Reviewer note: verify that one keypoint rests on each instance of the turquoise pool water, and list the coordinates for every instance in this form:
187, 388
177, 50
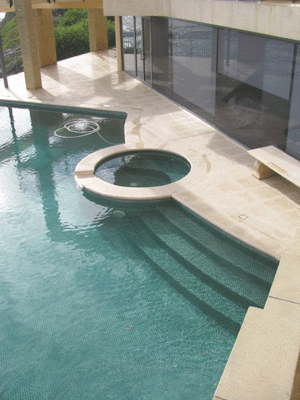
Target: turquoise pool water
143, 168
101, 304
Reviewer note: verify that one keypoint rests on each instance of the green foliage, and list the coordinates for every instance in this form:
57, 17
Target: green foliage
9, 34
13, 64
73, 17
71, 36
10, 44
72, 40
8, 16
111, 33
57, 14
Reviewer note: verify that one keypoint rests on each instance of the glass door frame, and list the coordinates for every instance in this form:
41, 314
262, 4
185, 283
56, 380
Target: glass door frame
142, 74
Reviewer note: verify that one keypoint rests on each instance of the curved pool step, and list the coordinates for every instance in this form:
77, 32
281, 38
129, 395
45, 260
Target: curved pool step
201, 295
233, 282
207, 237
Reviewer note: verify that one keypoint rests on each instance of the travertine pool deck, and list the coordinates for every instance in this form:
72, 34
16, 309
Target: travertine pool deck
265, 214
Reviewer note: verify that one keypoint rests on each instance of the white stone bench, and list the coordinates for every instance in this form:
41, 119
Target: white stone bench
270, 160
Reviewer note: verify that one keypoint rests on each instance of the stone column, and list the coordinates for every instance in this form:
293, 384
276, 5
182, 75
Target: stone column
45, 37
118, 43
28, 42
97, 29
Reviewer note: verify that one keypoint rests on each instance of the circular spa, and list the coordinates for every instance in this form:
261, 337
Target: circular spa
147, 168
126, 173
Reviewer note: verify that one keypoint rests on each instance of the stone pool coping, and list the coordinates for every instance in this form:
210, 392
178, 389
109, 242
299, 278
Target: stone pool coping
87, 180
264, 363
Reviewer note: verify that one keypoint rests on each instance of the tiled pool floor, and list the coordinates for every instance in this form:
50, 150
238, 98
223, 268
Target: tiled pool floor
264, 214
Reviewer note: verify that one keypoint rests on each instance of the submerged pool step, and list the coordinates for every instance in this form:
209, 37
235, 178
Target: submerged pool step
229, 280
209, 237
200, 294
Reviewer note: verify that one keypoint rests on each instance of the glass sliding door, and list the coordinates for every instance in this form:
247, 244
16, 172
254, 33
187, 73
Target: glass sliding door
193, 63
136, 36
129, 45
184, 62
139, 47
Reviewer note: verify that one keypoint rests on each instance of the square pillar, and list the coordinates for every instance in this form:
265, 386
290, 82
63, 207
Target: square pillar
45, 36
28, 43
97, 29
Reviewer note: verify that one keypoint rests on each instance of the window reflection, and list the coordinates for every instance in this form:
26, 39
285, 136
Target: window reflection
128, 37
239, 82
253, 88
139, 47
193, 63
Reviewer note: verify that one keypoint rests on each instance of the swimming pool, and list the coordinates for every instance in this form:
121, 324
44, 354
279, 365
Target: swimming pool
103, 300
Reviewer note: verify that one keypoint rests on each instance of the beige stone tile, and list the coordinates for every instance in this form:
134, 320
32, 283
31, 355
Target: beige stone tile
249, 182
228, 186
281, 184
265, 192
246, 159
291, 219
282, 236
287, 279
284, 309
263, 360
295, 247
242, 198
233, 151
281, 204
260, 211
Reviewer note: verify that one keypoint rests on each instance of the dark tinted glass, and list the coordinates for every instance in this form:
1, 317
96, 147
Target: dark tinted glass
162, 71
293, 135
193, 63
147, 49
253, 85
239, 82
184, 62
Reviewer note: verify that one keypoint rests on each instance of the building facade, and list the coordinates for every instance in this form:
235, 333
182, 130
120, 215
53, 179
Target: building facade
242, 76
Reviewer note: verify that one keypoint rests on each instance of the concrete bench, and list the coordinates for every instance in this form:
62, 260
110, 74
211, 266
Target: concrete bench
270, 160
